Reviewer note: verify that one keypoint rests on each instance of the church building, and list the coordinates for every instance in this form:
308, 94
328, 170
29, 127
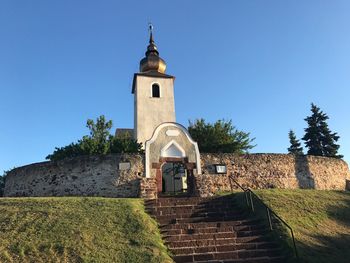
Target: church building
171, 155
171, 163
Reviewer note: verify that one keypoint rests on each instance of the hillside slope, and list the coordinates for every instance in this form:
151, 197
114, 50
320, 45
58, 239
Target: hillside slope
320, 219
78, 229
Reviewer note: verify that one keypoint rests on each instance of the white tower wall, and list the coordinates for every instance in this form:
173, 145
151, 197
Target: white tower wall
150, 112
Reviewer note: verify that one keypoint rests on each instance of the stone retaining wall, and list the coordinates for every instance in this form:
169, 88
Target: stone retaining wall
109, 176
122, 175
272, 171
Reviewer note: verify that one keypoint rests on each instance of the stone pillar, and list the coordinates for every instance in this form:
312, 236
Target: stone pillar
347, 185
148, 188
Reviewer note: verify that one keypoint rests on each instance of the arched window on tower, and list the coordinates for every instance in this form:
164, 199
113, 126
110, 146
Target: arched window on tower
155, 91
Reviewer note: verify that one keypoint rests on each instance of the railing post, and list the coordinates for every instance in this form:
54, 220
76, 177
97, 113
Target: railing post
251, 200
230, 180
295, 247
269, 217
246, 197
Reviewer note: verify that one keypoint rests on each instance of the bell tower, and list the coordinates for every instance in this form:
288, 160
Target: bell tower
153, 94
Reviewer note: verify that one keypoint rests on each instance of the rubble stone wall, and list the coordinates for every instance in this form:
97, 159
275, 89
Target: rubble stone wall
261, 171
122, 175
110, 176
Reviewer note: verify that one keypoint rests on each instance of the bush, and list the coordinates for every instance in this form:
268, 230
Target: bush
220, 137
99, 141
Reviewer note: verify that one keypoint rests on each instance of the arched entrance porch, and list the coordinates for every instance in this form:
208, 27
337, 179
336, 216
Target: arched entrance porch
172, 158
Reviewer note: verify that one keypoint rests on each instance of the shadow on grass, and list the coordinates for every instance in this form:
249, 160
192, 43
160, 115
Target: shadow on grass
329, 249
341, 212
331, 244
334, 247
279, 233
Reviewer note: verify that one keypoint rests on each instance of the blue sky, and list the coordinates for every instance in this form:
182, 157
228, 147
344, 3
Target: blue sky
259, 63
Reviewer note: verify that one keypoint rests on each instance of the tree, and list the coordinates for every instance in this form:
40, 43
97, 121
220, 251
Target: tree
221, 136
318, 138
69, 151
98, 142
124, 143
295, 145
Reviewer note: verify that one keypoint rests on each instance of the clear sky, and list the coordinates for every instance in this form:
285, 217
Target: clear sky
259, 63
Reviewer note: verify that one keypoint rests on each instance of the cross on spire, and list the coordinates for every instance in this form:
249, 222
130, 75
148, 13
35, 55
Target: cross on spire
150, 29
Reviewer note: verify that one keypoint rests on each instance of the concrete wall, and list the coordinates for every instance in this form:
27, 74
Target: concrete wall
104, 176
83, 176
272, 171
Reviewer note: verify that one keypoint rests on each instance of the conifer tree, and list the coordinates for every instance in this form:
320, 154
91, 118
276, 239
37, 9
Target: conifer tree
295, 146
318, 138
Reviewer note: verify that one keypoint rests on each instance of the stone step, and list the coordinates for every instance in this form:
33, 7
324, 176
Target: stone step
189, 201
173, 220
212, 230
190, 209
216, 242
215, 236
222, 248
231, 255
161, 202
189, 206
199, 236
215, 229
274, 259
185, 226
200, 214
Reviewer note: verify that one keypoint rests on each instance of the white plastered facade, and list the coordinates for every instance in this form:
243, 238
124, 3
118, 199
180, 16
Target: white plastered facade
168, 135
150, 112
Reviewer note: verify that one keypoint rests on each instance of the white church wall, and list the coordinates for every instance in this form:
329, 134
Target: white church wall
149, 111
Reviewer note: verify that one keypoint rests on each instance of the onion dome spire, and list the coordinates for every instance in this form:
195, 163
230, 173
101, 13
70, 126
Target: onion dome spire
152, 61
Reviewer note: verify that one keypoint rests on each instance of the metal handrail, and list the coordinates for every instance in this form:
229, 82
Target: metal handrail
269, 211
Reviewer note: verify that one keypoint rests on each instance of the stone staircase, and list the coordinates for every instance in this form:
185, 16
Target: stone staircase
212, 230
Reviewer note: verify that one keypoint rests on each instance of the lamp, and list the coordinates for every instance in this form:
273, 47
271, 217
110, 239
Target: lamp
220, 168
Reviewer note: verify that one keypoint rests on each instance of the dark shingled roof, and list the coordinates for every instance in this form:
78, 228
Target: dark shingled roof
123, 131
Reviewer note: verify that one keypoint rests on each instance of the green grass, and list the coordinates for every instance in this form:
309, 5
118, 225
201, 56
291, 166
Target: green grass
320, 220
78, 229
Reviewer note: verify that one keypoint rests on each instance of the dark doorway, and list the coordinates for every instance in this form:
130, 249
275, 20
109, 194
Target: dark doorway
174, 179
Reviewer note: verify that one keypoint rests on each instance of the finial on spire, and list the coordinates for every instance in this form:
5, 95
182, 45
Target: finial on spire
150, 29
152, 61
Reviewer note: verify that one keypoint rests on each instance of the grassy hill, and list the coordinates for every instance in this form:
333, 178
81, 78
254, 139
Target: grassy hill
78, 229
320, 219
89, 229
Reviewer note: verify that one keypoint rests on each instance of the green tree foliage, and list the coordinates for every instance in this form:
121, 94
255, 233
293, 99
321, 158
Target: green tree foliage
220, 136
295, 145
69, 151
99, 141
124, 143
318, 138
